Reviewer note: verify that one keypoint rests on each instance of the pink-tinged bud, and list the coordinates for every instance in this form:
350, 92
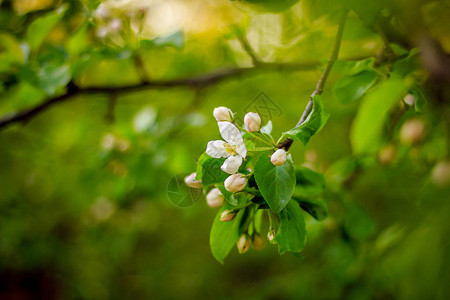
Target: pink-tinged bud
243, 244
271, 235
252, 122
278, 158
235, 183
215, 198
387, 154
412, 132
410, 99
440, 176
223, 114
192, 182
227, 215
258, 242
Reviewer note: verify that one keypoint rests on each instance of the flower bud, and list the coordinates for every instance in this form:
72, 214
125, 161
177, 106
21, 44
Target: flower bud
252, 122
271, 235
387, 154
243, 244
412, 132
223, 114
102, 12
440, 175
227, 215
258, 242
115, 25
409, 99
102, 32
278, 158
235, 183
215, 198
192, 182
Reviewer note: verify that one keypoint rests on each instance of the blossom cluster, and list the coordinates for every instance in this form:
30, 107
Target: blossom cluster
234, 149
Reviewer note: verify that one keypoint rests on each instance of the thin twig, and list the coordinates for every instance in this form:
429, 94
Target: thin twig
286, 144
245, 44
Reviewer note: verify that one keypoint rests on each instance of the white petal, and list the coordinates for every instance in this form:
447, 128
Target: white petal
230, 133
242, 150
216, 149
231, 164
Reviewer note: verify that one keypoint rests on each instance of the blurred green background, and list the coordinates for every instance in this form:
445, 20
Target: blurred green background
85, 211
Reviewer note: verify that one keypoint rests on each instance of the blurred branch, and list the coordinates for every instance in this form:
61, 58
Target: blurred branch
197, 82
245, 44
140, 67
109, 116
286, 144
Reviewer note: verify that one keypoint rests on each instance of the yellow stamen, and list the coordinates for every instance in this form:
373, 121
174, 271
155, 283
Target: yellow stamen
231, 149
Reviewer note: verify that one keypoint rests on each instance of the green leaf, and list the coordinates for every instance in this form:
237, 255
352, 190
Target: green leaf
229, 197
53, 77
10, 52
291, 235
420, 99
224, 235
40, 28
175, 40
367, 128
316, 207
78, 42
209, 171
313, 124
308, 182
358, 224
276, 184
348, 68
267, 129
49, 78
351, 88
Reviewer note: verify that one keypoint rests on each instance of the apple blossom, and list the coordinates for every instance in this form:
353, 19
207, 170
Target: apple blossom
227, 215
243, 244
223, 114
252, 122
233, 148
271, 235
278, 158
412, 131
192, 182
102, 12
440, 175
235, 183
115, 25
215, 198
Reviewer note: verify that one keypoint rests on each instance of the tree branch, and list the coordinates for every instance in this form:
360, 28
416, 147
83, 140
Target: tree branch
197, 82
286, 144
246, 46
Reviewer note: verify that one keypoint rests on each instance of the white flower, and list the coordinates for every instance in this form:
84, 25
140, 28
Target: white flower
192, 182
278, 158
115, 25
215, 198
233, 148
102, 31
102, 12
252, 122
235, 183
222, 114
